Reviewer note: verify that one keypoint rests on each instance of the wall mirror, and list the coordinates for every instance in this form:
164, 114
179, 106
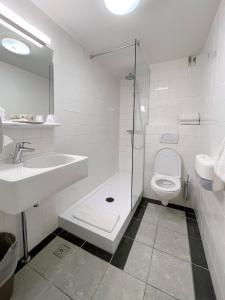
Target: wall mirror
26, 77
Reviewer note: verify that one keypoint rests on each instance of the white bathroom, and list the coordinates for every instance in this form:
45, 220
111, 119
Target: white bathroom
112, 150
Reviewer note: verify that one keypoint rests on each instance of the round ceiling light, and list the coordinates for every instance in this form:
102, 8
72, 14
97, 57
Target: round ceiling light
15, 46
121, 7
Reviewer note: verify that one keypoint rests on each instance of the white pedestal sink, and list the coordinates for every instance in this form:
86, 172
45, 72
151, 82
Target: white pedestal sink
24, 185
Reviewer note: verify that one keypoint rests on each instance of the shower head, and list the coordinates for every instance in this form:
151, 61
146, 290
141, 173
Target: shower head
130, 76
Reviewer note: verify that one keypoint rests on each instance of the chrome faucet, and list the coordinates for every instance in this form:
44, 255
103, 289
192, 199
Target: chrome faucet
17, 158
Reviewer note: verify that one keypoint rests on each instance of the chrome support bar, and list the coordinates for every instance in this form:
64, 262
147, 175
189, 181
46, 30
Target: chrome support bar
136, 42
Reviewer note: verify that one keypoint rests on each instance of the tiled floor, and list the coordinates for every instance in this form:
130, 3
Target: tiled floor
153, 262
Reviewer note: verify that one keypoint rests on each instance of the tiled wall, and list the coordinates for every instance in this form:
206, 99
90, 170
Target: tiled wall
211, 206
174, 89
87, 105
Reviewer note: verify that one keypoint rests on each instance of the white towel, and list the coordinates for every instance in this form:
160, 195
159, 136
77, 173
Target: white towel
101, 218
219, 167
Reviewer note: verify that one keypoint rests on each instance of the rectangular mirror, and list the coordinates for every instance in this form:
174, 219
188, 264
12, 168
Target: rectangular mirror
26, 76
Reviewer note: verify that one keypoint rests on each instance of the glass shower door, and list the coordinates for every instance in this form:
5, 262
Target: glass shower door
140, 120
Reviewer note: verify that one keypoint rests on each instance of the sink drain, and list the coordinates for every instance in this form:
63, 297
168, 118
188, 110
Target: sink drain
109, 199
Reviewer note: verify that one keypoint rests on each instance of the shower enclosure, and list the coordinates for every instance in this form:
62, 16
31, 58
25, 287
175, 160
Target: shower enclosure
140, 120
108, 209
139, 74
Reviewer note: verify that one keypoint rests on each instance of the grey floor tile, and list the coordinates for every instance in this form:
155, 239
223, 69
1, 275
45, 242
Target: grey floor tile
152, 212
138, 261
53, 294
146, 234
29, 285
80, 275
173, 243
172, 275
47, 263
172, 211
154, 294
118, 285
173, 219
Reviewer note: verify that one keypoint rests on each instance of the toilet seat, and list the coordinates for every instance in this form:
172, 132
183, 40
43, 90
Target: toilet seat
165, 183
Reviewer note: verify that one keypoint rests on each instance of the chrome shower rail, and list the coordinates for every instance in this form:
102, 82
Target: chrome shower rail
136, 42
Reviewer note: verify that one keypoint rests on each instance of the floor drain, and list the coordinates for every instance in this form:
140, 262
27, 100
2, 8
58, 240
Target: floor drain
61, 251
110, 199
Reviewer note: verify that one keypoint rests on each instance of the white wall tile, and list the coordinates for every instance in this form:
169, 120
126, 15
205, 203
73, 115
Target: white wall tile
182, 96
211, 206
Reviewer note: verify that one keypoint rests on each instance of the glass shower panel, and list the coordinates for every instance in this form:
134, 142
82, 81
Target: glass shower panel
140, 120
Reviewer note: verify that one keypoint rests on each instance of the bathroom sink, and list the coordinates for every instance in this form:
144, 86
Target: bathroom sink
24, 185
49, 161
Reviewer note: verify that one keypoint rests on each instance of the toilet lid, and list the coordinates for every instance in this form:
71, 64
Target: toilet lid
168, 162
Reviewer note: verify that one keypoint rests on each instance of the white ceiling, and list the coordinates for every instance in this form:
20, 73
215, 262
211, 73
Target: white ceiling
167, 29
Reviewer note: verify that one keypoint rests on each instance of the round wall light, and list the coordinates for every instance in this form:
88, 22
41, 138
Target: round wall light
121, 7
15, 46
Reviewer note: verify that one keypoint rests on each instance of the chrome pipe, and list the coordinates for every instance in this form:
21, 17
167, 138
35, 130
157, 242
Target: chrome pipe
26, 256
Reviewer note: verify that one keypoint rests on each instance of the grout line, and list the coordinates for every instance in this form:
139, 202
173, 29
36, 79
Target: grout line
100, 281
175, 298
186, 234
157, 225
128, 237
131, 275
191, 218
83, 244
57, 234
111, 259
47, 279
63, 292
187, 261
200, 266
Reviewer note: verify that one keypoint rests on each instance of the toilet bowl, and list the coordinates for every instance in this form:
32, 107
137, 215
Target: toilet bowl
166, 180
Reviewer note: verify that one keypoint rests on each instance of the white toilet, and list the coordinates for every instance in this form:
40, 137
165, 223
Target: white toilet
166, 181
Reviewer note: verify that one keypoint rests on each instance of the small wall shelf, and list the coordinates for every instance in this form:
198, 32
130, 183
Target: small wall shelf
9, 124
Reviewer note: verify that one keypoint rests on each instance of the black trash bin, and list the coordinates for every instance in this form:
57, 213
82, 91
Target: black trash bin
8, 262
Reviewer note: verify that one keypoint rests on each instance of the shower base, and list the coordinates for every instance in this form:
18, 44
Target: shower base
113, 195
